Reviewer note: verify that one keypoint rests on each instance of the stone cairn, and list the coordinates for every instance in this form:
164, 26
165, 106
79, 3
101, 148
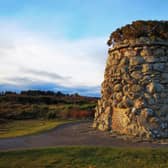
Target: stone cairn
134, 92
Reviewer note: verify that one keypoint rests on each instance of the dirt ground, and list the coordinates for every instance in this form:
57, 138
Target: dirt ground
74, 134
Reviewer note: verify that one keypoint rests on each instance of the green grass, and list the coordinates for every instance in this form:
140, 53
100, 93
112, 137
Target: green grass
85, 157
27, 127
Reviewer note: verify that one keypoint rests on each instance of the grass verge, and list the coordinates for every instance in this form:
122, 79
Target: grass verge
27, 127
85, 157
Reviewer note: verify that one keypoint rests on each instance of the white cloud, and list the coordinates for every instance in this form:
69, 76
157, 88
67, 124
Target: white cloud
76, 62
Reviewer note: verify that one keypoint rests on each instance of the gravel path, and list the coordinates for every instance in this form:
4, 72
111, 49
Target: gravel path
72, 134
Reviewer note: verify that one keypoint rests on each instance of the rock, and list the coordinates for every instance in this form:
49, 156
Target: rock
145, 52
126, 88
135, 111
117, 87
165, 76
164, 125
139, 103
136, 75
136, 60
146, 67
151, 59
154, 122
159, 52
145, 80
130, 53
126, 77
154, 87
124, 61
147, 112
127, 102
159, 67
119, 96
135, 88
164, 110
163, 59
156, 96
101, 127
94, 124
151, 101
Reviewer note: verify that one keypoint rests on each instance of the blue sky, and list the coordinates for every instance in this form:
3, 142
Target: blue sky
61, 44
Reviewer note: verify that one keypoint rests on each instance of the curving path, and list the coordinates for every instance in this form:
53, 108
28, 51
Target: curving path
71, 134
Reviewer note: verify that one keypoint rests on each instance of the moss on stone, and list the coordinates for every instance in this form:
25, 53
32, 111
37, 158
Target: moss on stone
151, 29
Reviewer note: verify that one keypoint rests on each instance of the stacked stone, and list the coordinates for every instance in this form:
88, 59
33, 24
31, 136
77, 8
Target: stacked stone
135, 89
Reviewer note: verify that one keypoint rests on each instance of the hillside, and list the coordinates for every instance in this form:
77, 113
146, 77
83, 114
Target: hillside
45, 104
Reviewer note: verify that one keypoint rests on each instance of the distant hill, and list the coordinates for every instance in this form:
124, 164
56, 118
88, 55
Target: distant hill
45, 104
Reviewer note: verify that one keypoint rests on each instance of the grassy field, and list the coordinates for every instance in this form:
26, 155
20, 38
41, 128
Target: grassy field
16, 111
85, 157
27, 127
45, 105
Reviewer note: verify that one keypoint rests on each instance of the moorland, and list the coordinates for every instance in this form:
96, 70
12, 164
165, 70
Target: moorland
39, 115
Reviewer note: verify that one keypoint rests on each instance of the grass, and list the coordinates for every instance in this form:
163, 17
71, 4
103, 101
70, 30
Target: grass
27, 127
85, 157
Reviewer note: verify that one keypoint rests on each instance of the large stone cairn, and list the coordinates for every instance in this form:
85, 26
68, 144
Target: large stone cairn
134, 92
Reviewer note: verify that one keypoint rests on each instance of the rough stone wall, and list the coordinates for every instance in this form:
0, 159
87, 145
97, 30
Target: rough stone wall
135, 89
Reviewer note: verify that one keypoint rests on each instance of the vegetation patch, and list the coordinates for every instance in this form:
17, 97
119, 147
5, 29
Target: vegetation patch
85, 157
27, 127
152, 29
45, 105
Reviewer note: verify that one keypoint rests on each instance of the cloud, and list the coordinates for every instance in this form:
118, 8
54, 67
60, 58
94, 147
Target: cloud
46, 75
28, 57
40, 85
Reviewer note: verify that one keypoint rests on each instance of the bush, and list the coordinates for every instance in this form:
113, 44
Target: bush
51, 115
11, 110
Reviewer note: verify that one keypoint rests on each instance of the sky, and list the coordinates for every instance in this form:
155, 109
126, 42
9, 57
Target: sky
60, 45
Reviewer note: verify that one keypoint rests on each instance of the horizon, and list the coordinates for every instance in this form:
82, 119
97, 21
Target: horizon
61, 46
43, 92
